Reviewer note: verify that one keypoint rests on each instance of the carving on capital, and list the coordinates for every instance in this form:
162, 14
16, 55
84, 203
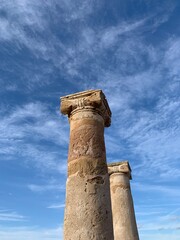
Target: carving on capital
120, 167
91, 99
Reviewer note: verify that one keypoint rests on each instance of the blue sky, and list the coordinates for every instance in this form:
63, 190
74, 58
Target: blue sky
128, 48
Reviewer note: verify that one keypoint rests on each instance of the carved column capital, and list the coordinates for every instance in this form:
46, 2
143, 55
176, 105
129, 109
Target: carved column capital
120, 167
94, 100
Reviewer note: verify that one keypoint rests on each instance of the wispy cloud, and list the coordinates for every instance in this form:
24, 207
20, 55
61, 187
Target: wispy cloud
160, 236
78, 10
158, 221
44, 188
56, 206
146, 108
26, 21
172, 61
25, 127
9, 216
110, 35
157, 189
35, 233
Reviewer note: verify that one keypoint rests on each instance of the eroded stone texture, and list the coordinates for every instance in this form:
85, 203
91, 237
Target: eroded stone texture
88, 206
124, 222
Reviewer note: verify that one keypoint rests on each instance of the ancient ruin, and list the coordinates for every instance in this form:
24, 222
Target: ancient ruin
99, 204
124, 221
88, 214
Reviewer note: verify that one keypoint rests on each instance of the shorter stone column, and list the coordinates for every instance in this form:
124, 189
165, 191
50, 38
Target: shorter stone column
124, 221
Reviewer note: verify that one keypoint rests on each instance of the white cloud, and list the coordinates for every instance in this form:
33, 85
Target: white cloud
155, 137
155, 188
145, 108
8, 216
56, 206
158, 220
78, 10
23, 129
91, 43
29, 233
160, 236
110, 35
36, 17
44, 188
172, 61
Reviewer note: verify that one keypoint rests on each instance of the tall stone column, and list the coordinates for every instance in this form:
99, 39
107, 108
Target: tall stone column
124, 221
88, 213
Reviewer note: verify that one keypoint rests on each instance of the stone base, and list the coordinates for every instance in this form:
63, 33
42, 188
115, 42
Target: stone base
88, 211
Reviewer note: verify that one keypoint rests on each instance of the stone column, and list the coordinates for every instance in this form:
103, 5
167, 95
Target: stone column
124, 221
88, 213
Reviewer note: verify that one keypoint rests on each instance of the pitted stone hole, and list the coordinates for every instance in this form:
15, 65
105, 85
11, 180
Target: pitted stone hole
85, 187
97, 180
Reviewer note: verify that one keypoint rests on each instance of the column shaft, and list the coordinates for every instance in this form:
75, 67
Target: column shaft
124, 222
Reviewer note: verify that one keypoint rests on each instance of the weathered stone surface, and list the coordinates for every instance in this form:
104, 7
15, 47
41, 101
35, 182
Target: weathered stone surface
87, 214
90, 100
87, 139
88, 206
124, 222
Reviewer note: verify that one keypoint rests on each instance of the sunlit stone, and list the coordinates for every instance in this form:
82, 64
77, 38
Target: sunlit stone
124, 222
88, 213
